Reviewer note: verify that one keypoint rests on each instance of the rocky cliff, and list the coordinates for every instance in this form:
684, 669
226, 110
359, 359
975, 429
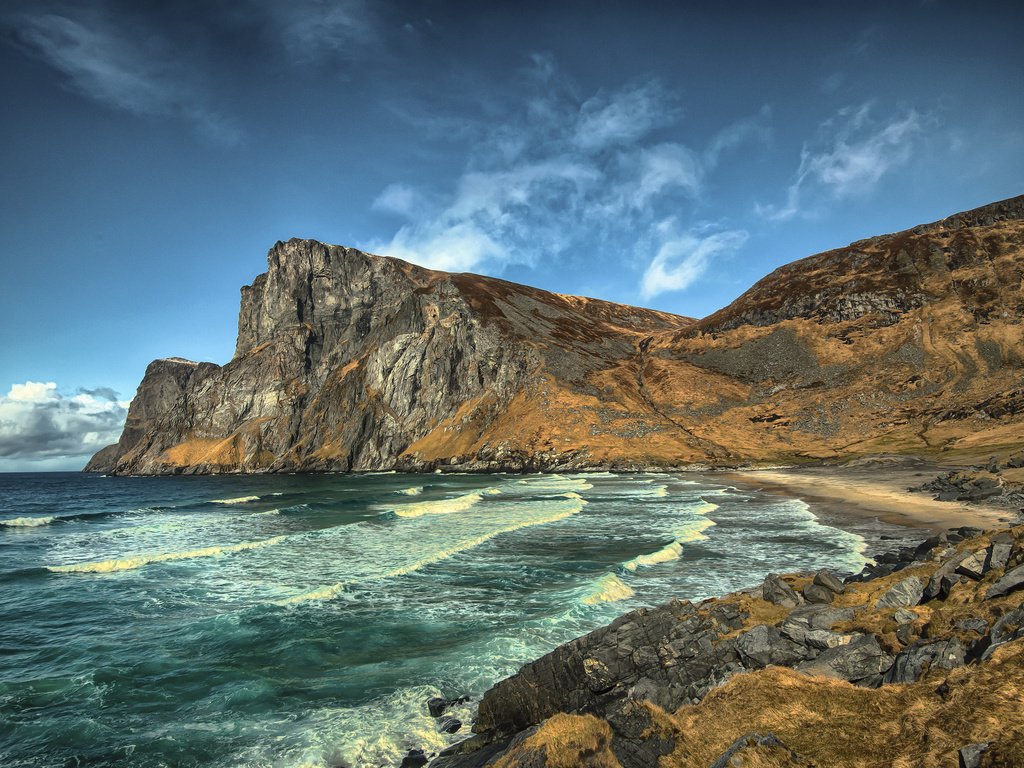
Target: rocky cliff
350, 361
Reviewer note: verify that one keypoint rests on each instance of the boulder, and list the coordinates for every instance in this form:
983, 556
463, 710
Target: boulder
861, 661
904, 616
636, 743
902, 594
998, 553
829, 580
912, 663
973, 566
449, 725
775, 590
1011, 581
1009, 627
815, 593
415, 759
437, 706
763, 646
970, 756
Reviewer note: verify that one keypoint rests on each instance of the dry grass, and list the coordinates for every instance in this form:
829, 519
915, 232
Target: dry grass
567, 741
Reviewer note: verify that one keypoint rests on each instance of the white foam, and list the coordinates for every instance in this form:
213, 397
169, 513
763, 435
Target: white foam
664, 555
416, 490
28, 522
439, 506
567, 509
608, 589
137, 561
239, 500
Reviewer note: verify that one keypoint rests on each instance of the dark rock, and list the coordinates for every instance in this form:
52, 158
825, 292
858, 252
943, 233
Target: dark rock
972, 624
1008, 628
912, 663
437, 706
415, 759
998, 553
860, 660
970, 756
815, 593
820, 616
777, 591
1016, 461
902, 594
449, 725
830, 581
635, 743
750, 741
1011, 581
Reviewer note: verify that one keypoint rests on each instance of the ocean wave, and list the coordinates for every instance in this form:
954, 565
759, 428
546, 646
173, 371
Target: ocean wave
416, 490
608, 589
28, 522
239, 500
439, 506
704, 508
664, 555
138, 561
569, 508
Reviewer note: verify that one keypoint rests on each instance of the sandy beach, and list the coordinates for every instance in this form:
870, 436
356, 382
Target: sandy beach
877, 491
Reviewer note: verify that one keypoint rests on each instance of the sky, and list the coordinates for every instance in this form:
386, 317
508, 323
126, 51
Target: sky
661, 154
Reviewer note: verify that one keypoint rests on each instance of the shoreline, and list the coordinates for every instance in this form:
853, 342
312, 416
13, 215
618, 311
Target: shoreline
874, 492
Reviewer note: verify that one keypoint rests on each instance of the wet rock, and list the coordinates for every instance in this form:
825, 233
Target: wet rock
449, 725
829, 580
902, 594
415, 759
1011, 581
912, 663
437, 706
777, 591
815, 593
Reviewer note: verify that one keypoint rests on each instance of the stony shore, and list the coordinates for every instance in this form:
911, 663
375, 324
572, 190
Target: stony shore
916, 661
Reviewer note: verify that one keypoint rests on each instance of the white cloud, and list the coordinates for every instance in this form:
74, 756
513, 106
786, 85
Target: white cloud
683, 257
312, 29
113, 63
851, 155
400, 199
620, 118
40, 425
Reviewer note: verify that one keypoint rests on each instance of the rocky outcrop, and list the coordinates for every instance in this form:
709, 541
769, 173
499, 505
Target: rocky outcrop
350, 361
623, 682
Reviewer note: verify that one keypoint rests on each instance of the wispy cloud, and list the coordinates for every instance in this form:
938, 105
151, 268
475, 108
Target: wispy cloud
851, 154
558, 171
311, 30
38, 423
683, 256
105, 58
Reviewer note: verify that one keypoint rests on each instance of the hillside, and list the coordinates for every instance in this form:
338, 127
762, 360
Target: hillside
346, 361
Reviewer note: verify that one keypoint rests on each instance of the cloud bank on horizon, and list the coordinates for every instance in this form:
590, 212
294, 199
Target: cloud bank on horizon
661, 155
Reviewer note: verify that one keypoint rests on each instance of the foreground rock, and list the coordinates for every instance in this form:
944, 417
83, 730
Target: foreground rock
347, 361
925, 678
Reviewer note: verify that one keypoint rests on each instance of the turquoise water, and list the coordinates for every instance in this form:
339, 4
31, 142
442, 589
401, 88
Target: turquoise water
304, 620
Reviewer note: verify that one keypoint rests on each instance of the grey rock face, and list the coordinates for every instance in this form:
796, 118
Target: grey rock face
911, 663
830, 581
902, 594
344, 360
1010, 582
860, 661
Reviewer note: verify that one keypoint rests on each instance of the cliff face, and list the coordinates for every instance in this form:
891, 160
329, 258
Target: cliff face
349, 361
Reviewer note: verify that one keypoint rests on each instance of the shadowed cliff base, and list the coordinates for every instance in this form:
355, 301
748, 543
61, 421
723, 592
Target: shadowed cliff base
903, 343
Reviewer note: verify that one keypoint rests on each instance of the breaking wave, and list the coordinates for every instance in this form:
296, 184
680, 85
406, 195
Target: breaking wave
28, 522
608, 589
131, 563
438, 507
416, 490
239, 500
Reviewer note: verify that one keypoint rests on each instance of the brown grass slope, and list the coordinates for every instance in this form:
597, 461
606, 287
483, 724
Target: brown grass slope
909, 342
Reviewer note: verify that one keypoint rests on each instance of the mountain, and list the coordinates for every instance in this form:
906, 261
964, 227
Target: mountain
909, 342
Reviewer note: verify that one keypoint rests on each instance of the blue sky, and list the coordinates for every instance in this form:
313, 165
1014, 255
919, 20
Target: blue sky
668, 155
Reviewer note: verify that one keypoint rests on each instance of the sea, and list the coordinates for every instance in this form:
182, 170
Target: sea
304, 620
